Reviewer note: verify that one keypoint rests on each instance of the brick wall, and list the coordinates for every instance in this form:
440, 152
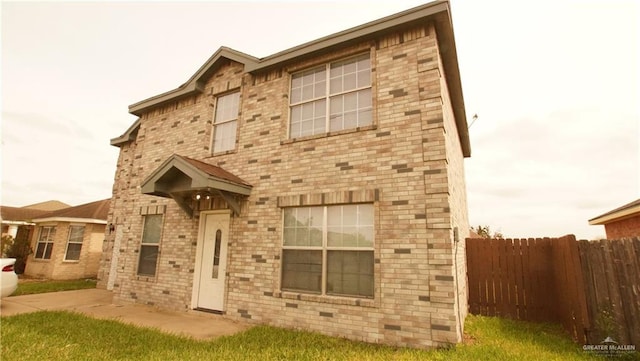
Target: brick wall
57, 267
402, 164
625, 228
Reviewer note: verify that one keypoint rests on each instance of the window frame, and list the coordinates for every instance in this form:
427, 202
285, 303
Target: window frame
48, 243
326, 249
150, 244
215, 124
328, 96
69, 241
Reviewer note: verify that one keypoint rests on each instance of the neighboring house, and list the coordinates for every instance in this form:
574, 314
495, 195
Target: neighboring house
15, 218
67, 244
319, 188
621, 222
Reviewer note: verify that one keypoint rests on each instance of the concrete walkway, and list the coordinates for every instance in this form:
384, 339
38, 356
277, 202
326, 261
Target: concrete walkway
98, 303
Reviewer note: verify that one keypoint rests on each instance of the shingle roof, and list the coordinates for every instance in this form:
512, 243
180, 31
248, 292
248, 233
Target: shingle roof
93, 210
20, 214
214, 170
52, 205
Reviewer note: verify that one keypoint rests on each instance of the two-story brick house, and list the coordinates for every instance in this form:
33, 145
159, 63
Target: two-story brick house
319, 188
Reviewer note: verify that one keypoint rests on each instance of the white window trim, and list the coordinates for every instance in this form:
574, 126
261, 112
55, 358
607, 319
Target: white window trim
328, 95
325, 248
214, 124
144, 220
52, 242
66, 250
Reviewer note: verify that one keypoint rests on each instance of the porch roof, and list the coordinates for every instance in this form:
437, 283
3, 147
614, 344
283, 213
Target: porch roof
182, 178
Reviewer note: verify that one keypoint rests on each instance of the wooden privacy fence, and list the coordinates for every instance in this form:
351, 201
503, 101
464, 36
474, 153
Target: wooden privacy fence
591, 288
611, 272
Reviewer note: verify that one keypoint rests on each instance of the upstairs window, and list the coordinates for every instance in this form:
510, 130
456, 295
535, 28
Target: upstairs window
44, 246
331, 97
74, 243
225, 122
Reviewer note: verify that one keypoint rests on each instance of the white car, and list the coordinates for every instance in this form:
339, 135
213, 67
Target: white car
9, 278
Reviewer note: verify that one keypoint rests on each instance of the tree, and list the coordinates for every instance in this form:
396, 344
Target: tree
485, 232
6, 242
20, 249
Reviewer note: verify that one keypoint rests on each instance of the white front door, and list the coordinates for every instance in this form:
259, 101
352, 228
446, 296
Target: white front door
211, 261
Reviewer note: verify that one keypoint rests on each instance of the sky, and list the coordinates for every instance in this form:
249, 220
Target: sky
555, 86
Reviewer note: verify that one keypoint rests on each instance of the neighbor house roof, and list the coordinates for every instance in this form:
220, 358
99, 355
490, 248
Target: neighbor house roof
94, 212
626, 211
20, 214
437, 12
52, 205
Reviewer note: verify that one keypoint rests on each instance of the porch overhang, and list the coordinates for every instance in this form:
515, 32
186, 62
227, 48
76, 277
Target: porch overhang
185, 179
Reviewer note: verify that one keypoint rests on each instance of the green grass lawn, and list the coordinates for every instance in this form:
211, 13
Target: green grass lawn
29, 287
70, 336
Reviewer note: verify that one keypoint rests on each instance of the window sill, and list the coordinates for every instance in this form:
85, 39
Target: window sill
362, 302
329, 134
217, 154
71, 261
144, 278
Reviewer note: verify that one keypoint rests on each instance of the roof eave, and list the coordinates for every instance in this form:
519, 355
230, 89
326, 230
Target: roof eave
369, 29
195, 84
70, 220
183, 91
127, 136
18, 223
615, 216
449, 55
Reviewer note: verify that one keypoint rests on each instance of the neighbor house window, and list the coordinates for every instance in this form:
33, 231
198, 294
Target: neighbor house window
331, 97
150, 245
225, 122
44, 246
74, 243
329, 250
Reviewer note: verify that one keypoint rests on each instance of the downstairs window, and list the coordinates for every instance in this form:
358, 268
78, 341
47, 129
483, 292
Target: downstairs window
328, 250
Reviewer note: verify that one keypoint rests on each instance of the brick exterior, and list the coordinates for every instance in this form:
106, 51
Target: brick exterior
56, 267
409, 164
625, 228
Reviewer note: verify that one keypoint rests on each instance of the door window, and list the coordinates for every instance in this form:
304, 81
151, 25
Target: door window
216, 255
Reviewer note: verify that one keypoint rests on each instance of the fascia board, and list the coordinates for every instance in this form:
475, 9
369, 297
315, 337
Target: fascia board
70, 220
612, 217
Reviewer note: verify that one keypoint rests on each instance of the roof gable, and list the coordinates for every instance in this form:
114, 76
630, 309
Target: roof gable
179, 173
195, 84
181, 177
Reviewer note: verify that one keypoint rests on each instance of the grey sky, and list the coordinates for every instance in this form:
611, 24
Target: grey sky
555, 85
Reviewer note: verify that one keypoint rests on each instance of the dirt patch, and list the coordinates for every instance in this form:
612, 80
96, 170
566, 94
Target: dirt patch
28, 279
467, 339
